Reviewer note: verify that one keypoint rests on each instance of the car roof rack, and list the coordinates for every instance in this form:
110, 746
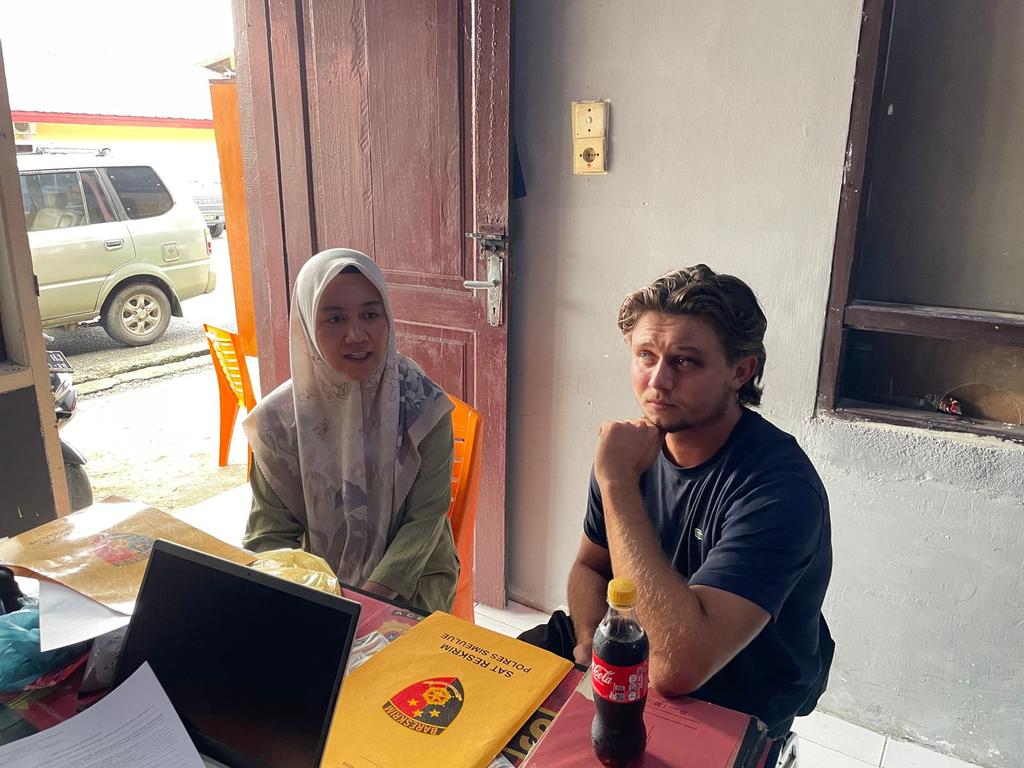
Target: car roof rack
95, 151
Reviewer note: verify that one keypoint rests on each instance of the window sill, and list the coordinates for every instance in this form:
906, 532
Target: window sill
858, 410
936, 322
14, 377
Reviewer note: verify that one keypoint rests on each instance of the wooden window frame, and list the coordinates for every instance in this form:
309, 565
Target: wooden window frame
908, 319
23, 362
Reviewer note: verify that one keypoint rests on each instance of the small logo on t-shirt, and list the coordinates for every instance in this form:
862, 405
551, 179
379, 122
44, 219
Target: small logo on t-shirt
698, 534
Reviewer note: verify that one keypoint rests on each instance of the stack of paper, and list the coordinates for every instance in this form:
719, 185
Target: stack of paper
134, 726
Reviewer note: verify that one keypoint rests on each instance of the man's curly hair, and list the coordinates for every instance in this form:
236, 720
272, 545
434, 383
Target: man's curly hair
726, 301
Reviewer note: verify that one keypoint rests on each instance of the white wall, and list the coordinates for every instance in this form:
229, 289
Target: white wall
728, 128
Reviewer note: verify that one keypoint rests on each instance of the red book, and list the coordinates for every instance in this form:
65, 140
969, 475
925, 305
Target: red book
681, 733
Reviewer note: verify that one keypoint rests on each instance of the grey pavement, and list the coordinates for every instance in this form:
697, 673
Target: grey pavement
156, 441
98, 358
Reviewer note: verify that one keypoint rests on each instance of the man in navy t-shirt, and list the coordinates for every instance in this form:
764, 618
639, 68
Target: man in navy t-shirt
717, 515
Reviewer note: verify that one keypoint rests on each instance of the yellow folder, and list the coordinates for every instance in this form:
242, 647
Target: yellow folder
445, 693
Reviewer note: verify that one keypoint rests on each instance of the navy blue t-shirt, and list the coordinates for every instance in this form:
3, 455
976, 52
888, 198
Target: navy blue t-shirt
753, 521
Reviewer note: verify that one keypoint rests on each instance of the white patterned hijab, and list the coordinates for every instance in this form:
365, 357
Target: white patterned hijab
342, 455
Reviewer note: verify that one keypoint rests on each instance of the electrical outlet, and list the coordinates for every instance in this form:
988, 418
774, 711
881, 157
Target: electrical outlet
588, 156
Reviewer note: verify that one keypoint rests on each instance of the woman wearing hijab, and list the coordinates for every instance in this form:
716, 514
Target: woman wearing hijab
353, 455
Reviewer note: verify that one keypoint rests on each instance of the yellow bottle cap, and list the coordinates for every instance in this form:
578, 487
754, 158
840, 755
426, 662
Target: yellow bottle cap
622, 592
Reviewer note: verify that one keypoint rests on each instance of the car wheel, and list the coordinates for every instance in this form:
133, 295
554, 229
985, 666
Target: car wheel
79, 487
138, 314
216, 230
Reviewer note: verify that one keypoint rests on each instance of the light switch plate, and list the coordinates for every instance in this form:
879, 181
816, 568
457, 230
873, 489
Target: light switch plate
589, 119
588, 156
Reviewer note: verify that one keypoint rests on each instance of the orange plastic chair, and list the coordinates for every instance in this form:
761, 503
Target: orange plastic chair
234, 385
466, 424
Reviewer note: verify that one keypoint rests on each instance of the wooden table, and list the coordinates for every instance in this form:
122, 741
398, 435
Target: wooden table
58, 697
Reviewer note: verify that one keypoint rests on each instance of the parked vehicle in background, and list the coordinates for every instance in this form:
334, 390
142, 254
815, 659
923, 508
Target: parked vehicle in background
210, 201
111, 240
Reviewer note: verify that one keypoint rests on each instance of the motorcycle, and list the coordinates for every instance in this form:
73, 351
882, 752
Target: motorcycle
65, 399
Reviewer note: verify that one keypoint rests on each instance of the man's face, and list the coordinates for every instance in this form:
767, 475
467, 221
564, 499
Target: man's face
681, 375
351, 327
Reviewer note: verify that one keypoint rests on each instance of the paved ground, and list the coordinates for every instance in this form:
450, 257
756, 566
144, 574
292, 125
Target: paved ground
156, 441
147, 417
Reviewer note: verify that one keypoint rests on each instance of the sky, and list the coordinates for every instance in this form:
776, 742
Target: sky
185, 31
132, 54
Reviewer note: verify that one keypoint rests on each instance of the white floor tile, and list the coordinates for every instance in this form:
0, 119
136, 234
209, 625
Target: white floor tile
816, 756
850, 739
902, 754
497, 626
515, 614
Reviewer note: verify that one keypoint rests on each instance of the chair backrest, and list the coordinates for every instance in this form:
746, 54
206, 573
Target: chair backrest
226, 351
466, 424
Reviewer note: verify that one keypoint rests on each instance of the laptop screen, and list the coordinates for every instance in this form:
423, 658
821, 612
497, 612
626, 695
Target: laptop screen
252, 663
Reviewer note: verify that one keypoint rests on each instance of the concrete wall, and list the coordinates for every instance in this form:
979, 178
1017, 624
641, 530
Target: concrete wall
728, 129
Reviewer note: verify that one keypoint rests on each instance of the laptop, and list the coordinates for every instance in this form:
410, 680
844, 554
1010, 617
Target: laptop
251, 662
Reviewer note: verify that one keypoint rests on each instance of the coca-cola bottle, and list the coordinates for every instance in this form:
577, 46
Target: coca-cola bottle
619, 675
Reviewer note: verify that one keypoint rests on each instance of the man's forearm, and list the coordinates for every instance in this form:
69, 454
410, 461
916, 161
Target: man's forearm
671, 616
379, 589
588, 591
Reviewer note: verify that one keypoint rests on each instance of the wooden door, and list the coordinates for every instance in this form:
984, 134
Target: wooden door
384, 127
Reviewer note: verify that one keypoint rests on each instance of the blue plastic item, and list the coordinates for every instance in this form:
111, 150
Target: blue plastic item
21, 661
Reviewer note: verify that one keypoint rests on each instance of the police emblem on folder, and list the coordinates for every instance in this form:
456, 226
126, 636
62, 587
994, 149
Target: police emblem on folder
428, 706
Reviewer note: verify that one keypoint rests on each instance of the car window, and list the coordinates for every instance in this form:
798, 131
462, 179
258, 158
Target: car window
26, 200
96, 202
54, 201
142, 193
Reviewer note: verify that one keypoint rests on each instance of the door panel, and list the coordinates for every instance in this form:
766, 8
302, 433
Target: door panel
416, 144
71, 255
72, 265
448, 354
336, 80
406, 142
166, 227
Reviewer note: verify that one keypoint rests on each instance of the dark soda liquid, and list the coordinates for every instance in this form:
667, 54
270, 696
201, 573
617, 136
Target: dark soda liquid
619, 734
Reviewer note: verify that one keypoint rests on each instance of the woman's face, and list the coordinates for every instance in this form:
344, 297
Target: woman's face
351, 327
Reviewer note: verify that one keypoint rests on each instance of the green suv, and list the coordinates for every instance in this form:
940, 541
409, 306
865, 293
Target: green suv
111, 240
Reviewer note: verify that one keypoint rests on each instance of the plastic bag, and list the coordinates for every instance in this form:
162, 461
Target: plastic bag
299, 566
364, 648
21, 661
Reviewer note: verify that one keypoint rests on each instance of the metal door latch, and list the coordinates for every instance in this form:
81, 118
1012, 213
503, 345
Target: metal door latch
489, 241
491, 248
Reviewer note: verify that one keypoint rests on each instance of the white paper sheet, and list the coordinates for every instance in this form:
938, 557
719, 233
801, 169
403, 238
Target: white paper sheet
133, 726
67, 617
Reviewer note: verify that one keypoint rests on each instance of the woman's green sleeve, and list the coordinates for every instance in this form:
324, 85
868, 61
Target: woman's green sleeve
421, 557
270, 525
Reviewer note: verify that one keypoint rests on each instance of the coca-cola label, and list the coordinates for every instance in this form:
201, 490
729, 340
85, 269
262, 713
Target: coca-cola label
619, 684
